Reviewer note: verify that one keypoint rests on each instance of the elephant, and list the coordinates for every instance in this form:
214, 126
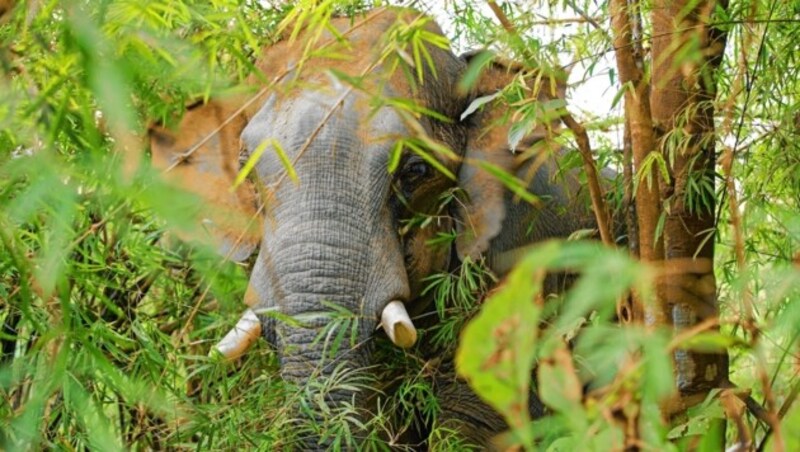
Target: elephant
325, 210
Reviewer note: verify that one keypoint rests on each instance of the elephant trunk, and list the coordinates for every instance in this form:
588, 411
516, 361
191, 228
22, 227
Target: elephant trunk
323, 357
331, 255
321, 274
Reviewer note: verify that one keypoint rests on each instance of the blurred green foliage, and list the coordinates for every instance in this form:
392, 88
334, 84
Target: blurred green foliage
105, 331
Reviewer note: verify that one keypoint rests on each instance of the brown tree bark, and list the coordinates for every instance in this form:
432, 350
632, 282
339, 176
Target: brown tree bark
638, 120
672, 113
681, 102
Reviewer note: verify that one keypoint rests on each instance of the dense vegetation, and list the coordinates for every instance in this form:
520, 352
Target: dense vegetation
106, 328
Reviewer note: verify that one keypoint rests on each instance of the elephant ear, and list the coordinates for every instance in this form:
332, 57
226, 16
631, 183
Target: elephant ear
493, 140
201, 155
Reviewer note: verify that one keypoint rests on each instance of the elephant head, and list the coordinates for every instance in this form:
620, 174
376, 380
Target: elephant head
331, 236
324, 138
338, 152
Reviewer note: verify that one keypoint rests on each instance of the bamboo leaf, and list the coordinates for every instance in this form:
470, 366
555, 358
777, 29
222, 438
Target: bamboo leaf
478, 103
511, 182
474, 70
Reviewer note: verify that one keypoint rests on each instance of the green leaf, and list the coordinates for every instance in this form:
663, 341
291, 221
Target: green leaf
497, 348
395, 155
621, 93
559, 386
431, 160
474, 70
712, 342
256, 155
516, 186
700, 418
287, 164
94, 422
478, 103
517, 132
658, 369
606, 276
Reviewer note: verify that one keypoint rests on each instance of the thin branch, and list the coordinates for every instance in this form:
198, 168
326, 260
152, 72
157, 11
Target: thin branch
501, 16
587, 18
628, 202
566, 20
595, 191
787, 405
684, 335
754, 408
185, 156
734, 408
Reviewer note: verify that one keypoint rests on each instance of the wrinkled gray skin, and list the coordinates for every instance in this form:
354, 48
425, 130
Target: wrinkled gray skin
333, 237
327, 242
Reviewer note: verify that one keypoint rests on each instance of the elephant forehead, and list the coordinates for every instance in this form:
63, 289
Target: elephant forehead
314, 127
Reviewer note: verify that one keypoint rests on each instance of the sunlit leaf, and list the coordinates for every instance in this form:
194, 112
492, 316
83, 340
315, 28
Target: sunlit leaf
518, 187
496, 352
471, 76
478, 103
559, 386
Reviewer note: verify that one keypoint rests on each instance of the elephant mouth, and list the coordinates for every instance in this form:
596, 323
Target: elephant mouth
394, 320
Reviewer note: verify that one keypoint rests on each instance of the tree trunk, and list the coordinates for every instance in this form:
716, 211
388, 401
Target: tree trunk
681, 103
672, 113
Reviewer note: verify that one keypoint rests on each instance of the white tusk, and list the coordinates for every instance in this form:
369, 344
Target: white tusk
241, 337
397, 324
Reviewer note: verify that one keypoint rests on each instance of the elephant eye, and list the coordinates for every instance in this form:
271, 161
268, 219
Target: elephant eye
414, 170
